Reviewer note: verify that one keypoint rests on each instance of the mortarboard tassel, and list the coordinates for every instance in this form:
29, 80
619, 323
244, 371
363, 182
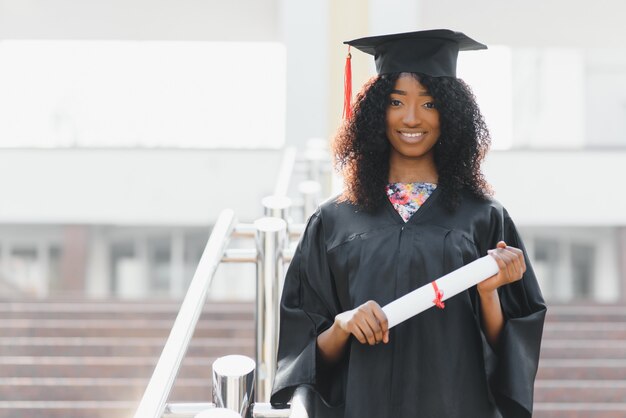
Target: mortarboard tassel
438, 301
347, 88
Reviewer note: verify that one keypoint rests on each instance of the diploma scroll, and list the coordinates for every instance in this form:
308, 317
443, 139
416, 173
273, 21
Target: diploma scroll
451, 284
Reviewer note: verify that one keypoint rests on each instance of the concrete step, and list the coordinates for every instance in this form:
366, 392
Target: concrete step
579, 410
119, 327
119, 310
67, 409
98, 389
108, 409
570, 349
115, 346
195, 390
584, 331
105, 367
68, 359
567, 391
94, 359
586, 313
216, 346
583, 369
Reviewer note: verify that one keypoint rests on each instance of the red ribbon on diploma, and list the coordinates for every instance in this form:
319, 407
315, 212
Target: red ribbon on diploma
438, 301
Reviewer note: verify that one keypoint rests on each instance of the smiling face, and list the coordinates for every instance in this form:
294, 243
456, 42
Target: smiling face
412, 121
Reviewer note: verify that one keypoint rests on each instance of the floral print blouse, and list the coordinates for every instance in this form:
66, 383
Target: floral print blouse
407, 198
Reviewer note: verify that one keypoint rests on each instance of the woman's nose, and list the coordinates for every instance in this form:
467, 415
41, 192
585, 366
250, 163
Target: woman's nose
411, 117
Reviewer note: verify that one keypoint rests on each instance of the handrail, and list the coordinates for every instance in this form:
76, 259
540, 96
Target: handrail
153, 402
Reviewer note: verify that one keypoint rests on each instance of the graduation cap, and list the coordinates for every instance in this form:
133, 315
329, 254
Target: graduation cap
431, 52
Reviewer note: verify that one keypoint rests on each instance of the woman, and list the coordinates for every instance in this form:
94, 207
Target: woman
416, 207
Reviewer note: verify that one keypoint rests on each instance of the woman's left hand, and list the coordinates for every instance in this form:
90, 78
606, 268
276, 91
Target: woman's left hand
512, 267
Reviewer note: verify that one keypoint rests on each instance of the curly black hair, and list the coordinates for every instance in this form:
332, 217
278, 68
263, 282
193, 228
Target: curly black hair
361, 148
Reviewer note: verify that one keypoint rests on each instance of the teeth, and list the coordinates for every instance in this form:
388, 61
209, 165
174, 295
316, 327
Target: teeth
412, 135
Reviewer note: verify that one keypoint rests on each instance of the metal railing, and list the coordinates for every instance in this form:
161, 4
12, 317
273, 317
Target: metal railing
273, 236
152, 404
270, 243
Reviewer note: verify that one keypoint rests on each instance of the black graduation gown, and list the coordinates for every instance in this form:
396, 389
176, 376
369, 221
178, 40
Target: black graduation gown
436, 364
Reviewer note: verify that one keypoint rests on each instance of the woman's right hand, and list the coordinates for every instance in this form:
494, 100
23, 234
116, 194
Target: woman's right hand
368, 323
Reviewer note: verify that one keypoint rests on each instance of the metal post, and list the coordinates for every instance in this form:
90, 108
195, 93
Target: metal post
270, 240
233, 383
276, 206
310, 191
153, 401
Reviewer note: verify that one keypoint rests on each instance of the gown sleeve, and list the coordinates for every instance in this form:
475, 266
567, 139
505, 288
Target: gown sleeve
308, 307
517, 357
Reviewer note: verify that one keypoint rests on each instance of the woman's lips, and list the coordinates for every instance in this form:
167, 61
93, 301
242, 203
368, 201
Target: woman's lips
411, 137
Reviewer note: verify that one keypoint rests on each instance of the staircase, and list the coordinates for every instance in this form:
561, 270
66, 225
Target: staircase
94, 359
582, 372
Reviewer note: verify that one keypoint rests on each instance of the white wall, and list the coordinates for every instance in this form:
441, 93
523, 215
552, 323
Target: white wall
560, 187
305, 32
549, 98
559, 23
133, 187
214, 20
606, 104
302, 26
190, 187
393, 16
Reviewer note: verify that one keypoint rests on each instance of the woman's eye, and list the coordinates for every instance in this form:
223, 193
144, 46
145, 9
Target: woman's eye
395, 102
429, 105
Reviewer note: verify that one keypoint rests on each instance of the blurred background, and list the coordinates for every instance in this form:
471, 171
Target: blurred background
125, 127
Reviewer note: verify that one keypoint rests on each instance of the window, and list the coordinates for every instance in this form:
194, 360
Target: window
550, 98
546, 264
54, 270
122, 261
582, 269
160, 265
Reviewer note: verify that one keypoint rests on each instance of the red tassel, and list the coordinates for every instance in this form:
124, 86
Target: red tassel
347, 88
438, 301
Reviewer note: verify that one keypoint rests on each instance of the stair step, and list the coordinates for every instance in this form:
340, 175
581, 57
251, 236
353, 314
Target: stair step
584, 330
102, 346
115, 305
602, 313
569, 349
98, 389
68, 359
584, 369
67, 409
579, 410
117, 310
57, 366
120, 328
601, 391
94, 358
